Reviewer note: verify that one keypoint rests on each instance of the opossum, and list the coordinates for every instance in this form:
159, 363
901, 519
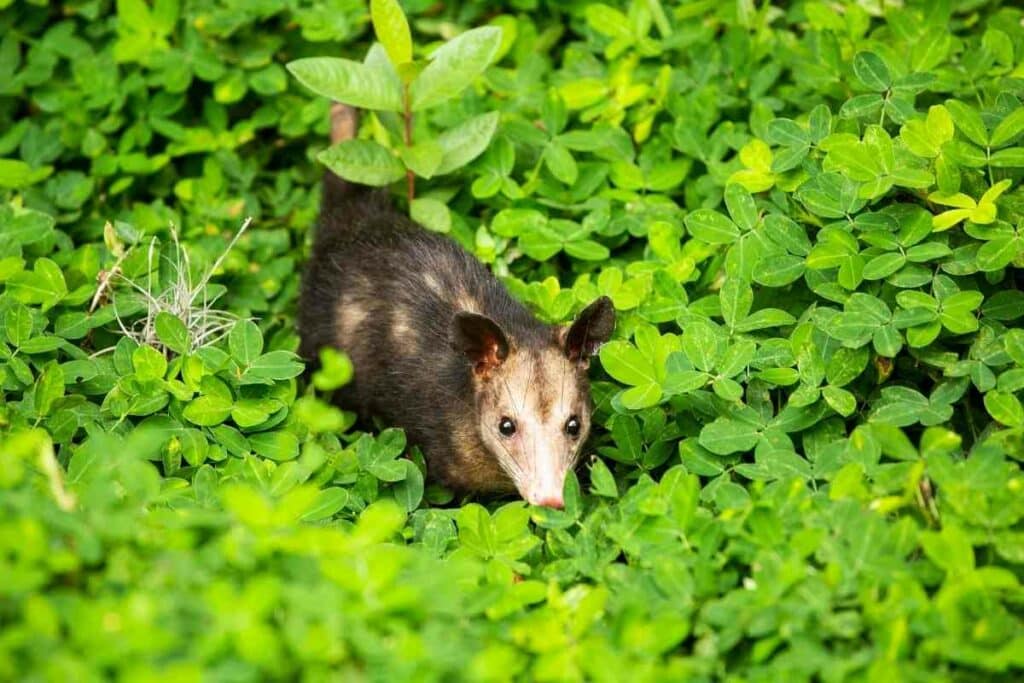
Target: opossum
497, 400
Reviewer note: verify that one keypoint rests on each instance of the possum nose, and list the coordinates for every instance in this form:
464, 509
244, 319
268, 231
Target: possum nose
550, 500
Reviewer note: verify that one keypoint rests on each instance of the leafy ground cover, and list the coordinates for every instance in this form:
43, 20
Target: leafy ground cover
809, 438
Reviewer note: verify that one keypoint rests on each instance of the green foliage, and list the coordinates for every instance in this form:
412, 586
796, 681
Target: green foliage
390, 81
808, 437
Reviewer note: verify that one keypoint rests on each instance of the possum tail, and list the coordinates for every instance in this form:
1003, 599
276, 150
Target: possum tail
344, 125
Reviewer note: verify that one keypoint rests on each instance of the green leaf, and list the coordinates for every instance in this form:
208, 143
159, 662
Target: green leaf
392, 29
245, 341
840, 400
352, 83
736, 298
587, 250
149, 363
602, 483
49, 388
454, 66
207, 411
431, 214
25, 226
409, 491
883, 266
1004, 407
786, 132
364, 162
329, 501
726, 435
277, 445
423, 158
559, 161
711, 227
43, 285
1009, 128
18, 324
862, 106
627, 364
701, 346
950, 549
171, 332
778, 270
872, 71
968, 121
642, 396
276, 365
16, 174
741, 206
466, 141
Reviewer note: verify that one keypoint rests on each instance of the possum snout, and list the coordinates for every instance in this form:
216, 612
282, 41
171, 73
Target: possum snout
546, 493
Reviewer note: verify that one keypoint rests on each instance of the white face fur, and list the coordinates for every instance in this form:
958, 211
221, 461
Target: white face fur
533, 403
534, 416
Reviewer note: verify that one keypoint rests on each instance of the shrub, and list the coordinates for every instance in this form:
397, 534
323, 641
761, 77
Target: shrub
809, 438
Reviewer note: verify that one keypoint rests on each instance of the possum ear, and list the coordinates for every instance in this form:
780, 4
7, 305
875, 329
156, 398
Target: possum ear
480, 338
592, 327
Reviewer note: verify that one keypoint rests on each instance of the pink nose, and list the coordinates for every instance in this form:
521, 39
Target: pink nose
549, 501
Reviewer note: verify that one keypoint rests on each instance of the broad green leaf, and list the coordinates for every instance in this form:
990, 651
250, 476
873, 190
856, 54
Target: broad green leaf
602, 483
786, 132
726, 435
587, 250
883, 266
465, 142
872, 71
409, 491
392, 29
348, 82
968, 121
275, 445
741, 207
149, 363
1005, 408
779, 270
207, 411
454, 66
171, 332
711, 226
423, 158
432, 214
363, 161
999, 252
950, 549
245, 341
560, 162
736, 298
276, 365
328, 502
17, 324
626, 363
1009, 128
49, 388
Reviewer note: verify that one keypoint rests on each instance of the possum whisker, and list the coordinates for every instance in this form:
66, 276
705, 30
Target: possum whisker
508, 390
511, 465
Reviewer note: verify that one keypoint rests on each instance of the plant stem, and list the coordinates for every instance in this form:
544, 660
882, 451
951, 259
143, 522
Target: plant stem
410, 177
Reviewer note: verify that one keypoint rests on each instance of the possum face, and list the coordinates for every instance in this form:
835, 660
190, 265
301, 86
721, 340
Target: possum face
533, 403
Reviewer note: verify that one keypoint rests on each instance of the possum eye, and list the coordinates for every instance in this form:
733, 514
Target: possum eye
572, 426
507, 426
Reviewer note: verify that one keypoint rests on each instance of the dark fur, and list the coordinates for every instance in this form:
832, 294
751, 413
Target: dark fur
427, 327
369, 251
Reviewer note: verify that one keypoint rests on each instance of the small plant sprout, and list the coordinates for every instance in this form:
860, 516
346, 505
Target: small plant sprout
396, 87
